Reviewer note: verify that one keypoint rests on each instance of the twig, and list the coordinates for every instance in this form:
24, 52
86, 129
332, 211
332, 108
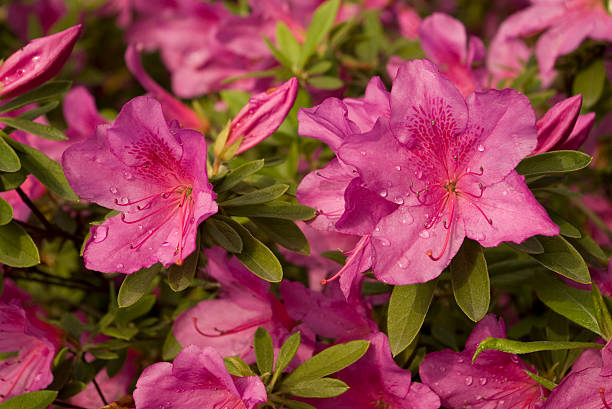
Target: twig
100, 391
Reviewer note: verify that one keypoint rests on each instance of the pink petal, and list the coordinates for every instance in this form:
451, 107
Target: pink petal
557, 124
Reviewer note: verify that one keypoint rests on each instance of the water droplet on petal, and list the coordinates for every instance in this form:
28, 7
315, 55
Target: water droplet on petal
113, 189
468, 380
482, 381
100, 234
128, 175
514, 359
383, 193
480, 148
403, 262
504, 193
140, 227
363, 153
461, 360
123, 200
384, 242
119, 266
407, 219
398, 200
398, 168
419, 174
424, 234
377, 229
36, 58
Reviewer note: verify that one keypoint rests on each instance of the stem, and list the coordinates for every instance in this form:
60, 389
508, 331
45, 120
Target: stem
99, 391
216, 165
275, 376
34, 209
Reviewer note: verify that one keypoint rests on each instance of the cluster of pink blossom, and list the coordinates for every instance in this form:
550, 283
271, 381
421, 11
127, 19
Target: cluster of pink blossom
335, 204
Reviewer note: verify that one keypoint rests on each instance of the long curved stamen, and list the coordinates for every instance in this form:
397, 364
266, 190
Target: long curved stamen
482, 189
602, 394
487, 218
152, 232
439, 210
469, 172
163, 195
448, 231
234, 330
179, 246
360, 245
153, 213
330, 214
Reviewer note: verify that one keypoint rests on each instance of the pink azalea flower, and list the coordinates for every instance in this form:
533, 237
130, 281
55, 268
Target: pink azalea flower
33, 342
196, 379
376, 381
37, 62
495, 380
262, 115
446, 43
229, 322
46, 12
562, 128
566, 25
603, 208
409, 21
447, 163
81, 114
588, 385
154, 175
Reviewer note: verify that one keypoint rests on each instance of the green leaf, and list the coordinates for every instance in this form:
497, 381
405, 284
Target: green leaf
530, 246
603, 314
141, 307
237, 367
179, 277
235, 99
574, 304
550, 385
288, 45
318, 388
46, 170
320, 67
47, 92
12, 180
327, 362
565, 228
287, 352
6, 212
34, 113
171, 347
590, 250
9, 161
238, 174
280, 57
470, 279
264, 195
258, 258
551, 163
32, 400
562, 258
321, 23
275, 209
44, 131
104, 354
325, 82
264, 351
222, 232
296, 404
284, 232
17, 249
517, 347
590, 83
407, 309
136, 285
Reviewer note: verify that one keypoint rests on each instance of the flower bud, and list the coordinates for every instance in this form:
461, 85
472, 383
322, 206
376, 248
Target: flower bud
557, 124
37, 62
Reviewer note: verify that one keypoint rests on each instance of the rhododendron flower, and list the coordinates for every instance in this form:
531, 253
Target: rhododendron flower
447, 163
446, 43
37, 62
588, 385
154, 175
45, 12
262, 115
229, 322
81, 114
376, 381
562, 128
196, 379
495, 380
567, 24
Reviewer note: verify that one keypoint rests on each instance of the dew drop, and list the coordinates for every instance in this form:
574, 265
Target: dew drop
363, 153
398, 200
403, 262
407, 219
424, 234
383, 193
468, 380
461, 360
140, 227
419, 174
514, 359
128, 176
123, 200
398, 168
113, 189
385, 242
377, 229
119, 266
480, 148
36, 58
482, 381
504, 193
100, 234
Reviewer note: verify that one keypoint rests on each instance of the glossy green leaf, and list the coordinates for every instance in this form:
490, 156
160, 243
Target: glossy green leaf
318, 388
530, 246
276, 209
17, 249
125, 315
550, 385
136, 285
224, 234
287, 352
237, 175
31, 400
590, 250
6, 212
288, 45
551, 163
180, 277
562, 258
12, 180
602, 313
34, 128
320, 25
470, 279
34, 113
325, 82
280, 57
264, 351
171, 347
407, 309
320, 67
237, 367
47, 92
46, 170
327, 362
517, 347
9, 161
284, 232
258, 258
590, 83
264, 195
565, 228
574, 304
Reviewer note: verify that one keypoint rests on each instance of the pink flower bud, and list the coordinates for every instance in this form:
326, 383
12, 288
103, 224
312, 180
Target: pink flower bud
262, 115
37, 62
557, 124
